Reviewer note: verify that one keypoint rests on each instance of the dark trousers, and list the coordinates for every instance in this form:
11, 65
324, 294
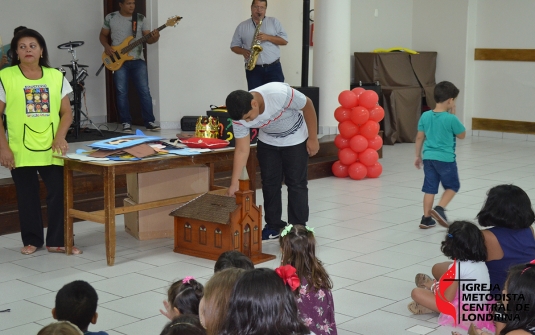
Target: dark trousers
263, 75
29, 205
291, 163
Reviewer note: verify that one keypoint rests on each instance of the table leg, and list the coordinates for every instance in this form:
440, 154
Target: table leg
109, 213
251, 171
67, 205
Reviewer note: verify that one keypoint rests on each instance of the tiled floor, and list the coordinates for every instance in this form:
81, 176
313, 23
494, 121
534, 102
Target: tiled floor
367, 233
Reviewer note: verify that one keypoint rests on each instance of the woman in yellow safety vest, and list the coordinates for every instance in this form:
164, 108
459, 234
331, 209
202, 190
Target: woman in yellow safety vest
34, 135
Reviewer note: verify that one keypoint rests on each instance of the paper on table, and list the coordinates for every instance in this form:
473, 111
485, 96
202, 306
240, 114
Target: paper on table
86, 158
184, 152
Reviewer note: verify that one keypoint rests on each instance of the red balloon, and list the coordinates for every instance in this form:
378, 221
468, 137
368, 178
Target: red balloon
348, 129
340, 170
347, 156
342, 114
368, 157
377, 113
368, 99
375, 170
357, 143
359, 115
369, 129
376, 143
340, 142
357, 171
358, 90
348, 99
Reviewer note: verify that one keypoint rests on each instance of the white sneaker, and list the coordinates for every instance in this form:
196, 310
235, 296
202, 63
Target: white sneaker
127, 128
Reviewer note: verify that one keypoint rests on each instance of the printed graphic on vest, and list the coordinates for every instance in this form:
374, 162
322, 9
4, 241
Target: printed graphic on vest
475, 302
37, 102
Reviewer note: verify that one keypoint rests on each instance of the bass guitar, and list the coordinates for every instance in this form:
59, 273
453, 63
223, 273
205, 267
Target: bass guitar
120, 54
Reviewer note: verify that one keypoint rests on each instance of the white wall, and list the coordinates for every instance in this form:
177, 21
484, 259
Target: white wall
196, 65
61, 21
392, 27
192, 66
441, 26
504, 90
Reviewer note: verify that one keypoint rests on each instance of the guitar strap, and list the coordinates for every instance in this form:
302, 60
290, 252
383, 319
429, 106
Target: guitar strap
134, 24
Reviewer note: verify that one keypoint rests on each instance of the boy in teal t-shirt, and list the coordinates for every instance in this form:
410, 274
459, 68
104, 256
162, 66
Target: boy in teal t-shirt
437, 133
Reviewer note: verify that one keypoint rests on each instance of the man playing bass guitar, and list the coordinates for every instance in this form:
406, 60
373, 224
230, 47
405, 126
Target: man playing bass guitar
122, 24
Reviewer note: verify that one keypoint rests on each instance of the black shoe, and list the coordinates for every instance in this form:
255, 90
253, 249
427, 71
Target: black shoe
269, 234
427, 222
127, 128
152, 126
438, 213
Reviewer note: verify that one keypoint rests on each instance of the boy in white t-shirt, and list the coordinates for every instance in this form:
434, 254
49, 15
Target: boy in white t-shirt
287, 136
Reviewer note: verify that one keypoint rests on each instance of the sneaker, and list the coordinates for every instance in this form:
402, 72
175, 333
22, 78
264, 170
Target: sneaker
127, 128
269, 234
438, 213
152, 126
427, 222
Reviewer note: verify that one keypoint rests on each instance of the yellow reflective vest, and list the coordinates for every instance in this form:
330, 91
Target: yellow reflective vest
32, 115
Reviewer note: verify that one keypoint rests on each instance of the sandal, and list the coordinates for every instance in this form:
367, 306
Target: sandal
473, 330
418, 309
28, 250
61, 250
423, 281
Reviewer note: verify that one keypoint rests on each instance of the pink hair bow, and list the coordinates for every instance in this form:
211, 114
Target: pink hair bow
187, 279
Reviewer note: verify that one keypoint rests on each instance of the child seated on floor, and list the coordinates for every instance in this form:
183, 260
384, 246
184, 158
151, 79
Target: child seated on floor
184, 325
263, 303
314, 298
60, 328
183, 297
76, 302
465, 244
233, 259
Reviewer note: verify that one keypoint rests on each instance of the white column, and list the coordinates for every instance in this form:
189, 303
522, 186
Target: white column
332, 55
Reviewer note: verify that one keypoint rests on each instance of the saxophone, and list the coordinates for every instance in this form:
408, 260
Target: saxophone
256, 48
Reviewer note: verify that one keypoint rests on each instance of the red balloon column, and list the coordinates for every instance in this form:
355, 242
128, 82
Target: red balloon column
358, 117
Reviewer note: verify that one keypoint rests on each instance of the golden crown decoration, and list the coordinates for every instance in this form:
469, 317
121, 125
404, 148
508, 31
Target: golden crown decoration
207, 127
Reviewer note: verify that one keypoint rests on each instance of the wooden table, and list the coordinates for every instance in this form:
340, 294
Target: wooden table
109, 169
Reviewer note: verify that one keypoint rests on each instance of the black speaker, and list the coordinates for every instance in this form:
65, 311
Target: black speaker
188, 123
314, 94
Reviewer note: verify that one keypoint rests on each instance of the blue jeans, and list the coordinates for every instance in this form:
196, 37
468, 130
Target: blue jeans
437, 172
137, 71
291, 163
263, 75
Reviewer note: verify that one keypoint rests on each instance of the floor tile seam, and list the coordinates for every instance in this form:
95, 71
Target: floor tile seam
374, 295
369, 262
146, 262
153, 277
6, 329
407, 316
108, 267
349, 316
112, 310
357, 236
92, 281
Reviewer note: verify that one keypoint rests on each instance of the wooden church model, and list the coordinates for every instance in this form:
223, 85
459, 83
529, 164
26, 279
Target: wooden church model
211, 224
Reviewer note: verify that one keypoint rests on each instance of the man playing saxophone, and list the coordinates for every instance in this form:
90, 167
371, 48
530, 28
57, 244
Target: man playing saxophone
270, 35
